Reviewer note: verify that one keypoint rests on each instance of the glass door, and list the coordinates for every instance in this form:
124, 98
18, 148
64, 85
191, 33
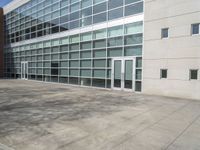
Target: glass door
24, 70
123, 74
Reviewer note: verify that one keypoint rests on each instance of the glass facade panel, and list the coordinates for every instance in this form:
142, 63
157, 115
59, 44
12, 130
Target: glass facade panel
99, 73
134, 28
100, 34
86, 36
100, 18
133, 39
134, 9
133, 51
86, 63
115, 31
114, 52
116, 13
100, 53
86, 73
86, 3
99, 44
116, 41
99, 63
49, 17
86, 54
77, 57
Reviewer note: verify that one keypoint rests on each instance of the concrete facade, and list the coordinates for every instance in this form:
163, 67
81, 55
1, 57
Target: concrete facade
179, 53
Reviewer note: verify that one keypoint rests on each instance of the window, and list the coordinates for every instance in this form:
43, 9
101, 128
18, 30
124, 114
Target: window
114, 3
99, 8
195, 28
163, 73
100, 18
134, 9
117, 13
164, 33
193, 74
86, 3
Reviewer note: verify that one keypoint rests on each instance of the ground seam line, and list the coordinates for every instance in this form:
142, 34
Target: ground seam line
183, 132
153, 124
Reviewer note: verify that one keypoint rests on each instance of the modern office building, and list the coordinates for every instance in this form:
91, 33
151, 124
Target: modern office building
146, 46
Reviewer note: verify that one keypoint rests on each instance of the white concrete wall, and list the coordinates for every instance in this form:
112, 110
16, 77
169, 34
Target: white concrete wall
179, 53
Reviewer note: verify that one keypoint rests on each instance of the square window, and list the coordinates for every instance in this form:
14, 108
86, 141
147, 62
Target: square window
193, 74
164, 33
163, 73
195, 28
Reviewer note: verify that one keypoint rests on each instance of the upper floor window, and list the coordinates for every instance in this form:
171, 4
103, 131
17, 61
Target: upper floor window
194, 74
163, 73
195, 28
164, 33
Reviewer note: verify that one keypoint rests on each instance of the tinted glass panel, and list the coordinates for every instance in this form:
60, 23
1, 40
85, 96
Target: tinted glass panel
100, 18
117, 13
134, 9
115, 3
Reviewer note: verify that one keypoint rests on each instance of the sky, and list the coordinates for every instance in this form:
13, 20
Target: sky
4, 2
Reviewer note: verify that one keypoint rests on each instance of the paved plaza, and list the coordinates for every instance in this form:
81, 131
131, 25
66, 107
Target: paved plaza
48, 116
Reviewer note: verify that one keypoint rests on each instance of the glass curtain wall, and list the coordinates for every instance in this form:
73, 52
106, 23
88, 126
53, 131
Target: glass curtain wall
82, 59
43, 17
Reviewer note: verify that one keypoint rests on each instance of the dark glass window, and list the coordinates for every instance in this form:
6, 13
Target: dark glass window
27, 30
54, 68
55, 29
165, 33
163, 73
40, 26
40, 33
195, 28
194, 74
33, 29
134, 9
33, 35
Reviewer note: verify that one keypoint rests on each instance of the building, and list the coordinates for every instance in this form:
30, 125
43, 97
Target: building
142, 46
171, 58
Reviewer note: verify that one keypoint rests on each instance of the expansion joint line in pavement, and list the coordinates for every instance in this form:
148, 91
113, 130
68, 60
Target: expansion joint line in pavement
187, 127
151, 125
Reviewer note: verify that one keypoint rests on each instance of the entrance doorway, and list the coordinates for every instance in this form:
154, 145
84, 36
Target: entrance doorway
24, 70
123, 74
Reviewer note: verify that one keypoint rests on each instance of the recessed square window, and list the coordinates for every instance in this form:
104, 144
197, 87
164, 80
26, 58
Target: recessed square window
163, 73
164, 33
193, 74
195, 28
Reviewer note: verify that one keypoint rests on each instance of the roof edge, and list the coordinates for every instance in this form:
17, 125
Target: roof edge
13, 5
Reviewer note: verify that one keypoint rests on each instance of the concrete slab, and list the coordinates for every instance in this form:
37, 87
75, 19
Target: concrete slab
46, 116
